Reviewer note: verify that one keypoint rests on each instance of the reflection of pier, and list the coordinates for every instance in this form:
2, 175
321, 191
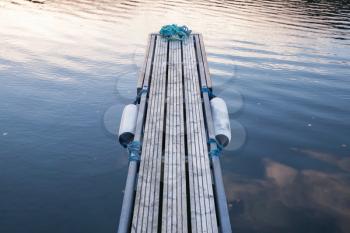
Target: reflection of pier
176, 186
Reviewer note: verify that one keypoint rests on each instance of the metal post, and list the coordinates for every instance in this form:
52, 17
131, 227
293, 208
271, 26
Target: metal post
128, 200
224, 218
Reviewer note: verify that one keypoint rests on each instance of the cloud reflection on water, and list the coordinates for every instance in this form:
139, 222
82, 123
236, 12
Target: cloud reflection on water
273, 200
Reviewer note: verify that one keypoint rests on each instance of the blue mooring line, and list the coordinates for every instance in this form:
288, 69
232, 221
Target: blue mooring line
175, 32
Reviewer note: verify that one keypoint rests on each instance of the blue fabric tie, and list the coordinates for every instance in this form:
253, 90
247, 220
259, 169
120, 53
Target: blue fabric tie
134, 149
138, 97
217, 151
207, 90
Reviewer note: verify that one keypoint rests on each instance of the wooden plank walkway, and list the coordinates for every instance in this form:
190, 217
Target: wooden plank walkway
176, 186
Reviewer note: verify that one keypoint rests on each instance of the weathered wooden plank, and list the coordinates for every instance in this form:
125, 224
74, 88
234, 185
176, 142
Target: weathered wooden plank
206, 182
221, 202
193, 183
158, 158
154, 127
211, 223
147, 194
146, 66
204, 61
203, 218
142, 176
174, 217
182, 158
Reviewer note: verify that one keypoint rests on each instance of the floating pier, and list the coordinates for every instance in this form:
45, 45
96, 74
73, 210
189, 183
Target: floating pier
174, 181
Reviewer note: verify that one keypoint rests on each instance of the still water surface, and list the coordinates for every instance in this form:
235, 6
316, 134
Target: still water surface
67, 67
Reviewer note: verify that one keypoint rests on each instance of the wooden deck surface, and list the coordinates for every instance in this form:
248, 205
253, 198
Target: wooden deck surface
175, 188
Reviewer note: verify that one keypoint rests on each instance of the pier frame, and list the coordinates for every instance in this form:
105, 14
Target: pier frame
177, 186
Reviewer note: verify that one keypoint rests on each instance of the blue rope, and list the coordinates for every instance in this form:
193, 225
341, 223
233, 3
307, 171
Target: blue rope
217, 151
207, 90
134, 149
138, 96
174, 32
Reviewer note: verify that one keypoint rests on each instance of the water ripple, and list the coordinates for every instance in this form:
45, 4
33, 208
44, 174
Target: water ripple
282, 66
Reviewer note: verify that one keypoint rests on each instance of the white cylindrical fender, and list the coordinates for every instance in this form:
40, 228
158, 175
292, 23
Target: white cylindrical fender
128, 124
221, 121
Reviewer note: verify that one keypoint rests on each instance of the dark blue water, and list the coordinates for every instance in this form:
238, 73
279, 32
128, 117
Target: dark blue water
67, 68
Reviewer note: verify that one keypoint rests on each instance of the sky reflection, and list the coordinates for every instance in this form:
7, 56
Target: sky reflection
67, 68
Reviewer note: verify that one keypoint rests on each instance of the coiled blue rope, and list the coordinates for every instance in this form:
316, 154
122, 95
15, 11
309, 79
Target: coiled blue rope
134, 149
174, 32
